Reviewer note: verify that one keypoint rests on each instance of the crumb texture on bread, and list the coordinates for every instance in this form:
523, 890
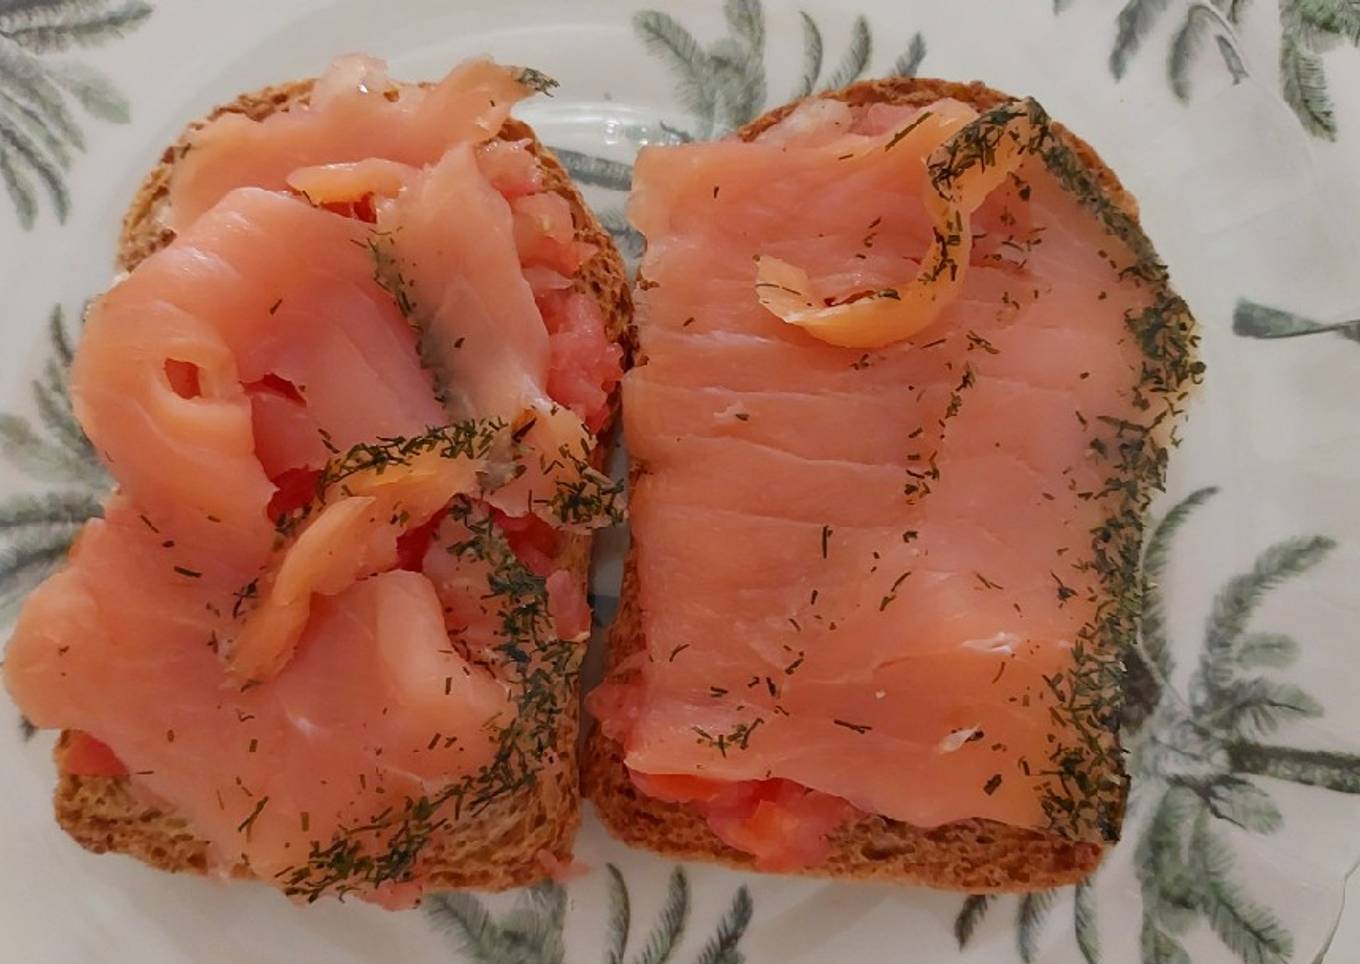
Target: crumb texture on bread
508, 843
975, 855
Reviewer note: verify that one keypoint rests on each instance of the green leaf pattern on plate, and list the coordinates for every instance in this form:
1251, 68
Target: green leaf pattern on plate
37, 528
1308, 29
532, 932
1196, 756
37, 129
1193, 757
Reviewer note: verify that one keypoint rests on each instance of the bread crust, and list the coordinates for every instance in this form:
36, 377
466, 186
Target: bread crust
975, 856
511, 842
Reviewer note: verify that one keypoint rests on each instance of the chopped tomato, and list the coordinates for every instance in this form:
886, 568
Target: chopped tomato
276, 384
677, 787
84, 756
414, 543
782, 824
360, 210
533, 541
294, 488
567, 606
583, 364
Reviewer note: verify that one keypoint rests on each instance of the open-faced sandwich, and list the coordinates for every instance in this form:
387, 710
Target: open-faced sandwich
907, 374
351, 390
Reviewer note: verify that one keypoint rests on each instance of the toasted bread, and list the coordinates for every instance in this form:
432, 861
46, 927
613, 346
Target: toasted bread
970, 855
509, 843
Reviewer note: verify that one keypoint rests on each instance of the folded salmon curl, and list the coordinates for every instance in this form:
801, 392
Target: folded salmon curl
334, 607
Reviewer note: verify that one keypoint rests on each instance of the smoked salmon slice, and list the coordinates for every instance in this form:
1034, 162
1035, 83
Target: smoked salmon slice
906, 380
300, 624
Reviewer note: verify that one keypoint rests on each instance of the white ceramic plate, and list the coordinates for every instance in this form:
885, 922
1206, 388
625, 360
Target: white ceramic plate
1238, 127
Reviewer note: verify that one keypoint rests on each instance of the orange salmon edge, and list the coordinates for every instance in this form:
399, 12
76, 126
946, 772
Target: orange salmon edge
84, 756
677, 787
395, 895
563, 871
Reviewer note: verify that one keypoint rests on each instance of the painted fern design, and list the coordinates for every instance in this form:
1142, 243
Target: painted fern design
1308, 29
812, 56
669, 927
1201, 21
37, 529
591, 171
1196, 758
1084, 922
38, 131
1029, 921
620, 917
974, 909
1132, 26
1252, 320
722, 946
724, 84
855, 60
530, 933
909, 63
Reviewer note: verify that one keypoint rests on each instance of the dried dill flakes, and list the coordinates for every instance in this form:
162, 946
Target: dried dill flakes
826, 539
739, 737
1081, 783
471, 439
247, 593
986, 583
535, 661
536, 80
976, 341
992, 784
590, 499
860, 728
896, 138
245, 825
387, 272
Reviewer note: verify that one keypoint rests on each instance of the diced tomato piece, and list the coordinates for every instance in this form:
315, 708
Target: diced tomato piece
276, 384
414, 543
583, 364
294, 489
678, 787
84, 756
782, 824
533, 541
361, 210
567, 606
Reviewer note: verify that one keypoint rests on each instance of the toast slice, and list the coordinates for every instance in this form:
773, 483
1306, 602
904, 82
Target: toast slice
511, 842
972, 855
